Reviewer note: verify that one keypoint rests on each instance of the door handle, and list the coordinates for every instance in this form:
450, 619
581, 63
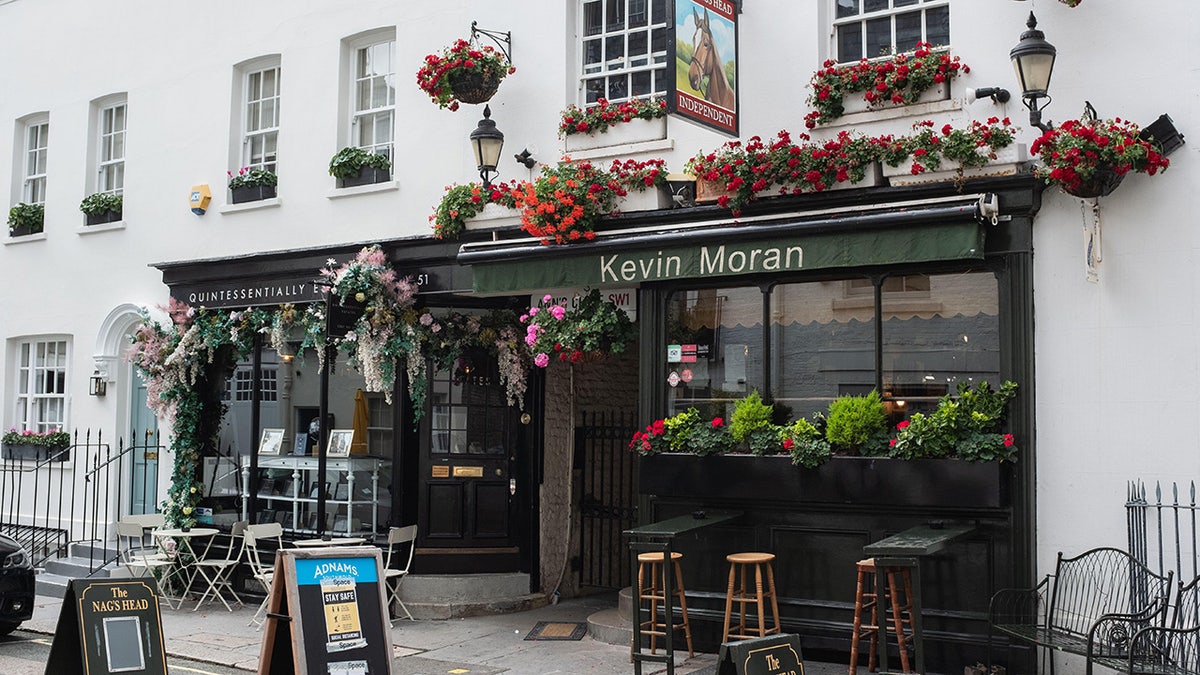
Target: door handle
512, 486
150, 432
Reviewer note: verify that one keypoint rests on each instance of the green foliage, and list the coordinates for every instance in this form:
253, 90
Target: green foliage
680, 429
247, 177
857, 424
49, 439
350, 160
765, 440
594, 326
749, 415
810, 452
966, 426
27, 217
101, 202
713, 439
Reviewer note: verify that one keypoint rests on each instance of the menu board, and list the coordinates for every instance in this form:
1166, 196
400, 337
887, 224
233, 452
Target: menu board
329, 615
108, 627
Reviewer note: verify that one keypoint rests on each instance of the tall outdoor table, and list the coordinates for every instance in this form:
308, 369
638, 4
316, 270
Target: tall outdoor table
904, 549
658, 537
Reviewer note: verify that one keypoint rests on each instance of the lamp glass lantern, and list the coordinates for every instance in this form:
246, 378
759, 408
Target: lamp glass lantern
96, 384
487, 141
1033, 61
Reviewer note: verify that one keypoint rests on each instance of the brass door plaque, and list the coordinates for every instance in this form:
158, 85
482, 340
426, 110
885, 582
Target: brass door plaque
468, 472
440, 472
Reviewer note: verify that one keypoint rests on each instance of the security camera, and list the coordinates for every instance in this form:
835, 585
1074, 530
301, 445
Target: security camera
997, 94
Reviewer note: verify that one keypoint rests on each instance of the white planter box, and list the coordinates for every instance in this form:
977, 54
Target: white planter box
621, 133
855, 103
871, 178
650, 199
493, 216
1008, 161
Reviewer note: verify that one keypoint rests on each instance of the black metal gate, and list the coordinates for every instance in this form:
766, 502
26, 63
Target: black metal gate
607, 473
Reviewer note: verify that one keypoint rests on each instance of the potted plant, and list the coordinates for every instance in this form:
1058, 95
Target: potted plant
594, 328
33, 445
966, 426
900, 79
102, 207
26, 219
615, 123
251, 185
1090, 157
461, 203
463, 72
354, 166
919, 157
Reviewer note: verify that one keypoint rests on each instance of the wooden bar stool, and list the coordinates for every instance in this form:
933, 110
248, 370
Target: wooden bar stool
739, 567
651, 565
866, 597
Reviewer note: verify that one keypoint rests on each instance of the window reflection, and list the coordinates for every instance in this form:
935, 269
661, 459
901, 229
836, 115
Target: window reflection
719, 360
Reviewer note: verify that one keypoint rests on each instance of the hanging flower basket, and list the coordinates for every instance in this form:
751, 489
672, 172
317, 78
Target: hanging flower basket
1101, 184
474, 86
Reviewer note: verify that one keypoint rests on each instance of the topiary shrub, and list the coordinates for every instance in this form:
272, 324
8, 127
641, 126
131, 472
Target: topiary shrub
749, 415
857, 425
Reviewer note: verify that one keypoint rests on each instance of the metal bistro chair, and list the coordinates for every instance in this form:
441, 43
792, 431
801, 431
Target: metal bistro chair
141, 560
263, 573
216, 571
399, 536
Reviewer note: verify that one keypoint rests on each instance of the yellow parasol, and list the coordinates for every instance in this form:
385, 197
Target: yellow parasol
362, 418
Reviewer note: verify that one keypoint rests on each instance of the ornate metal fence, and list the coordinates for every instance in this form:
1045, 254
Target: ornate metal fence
1162, 529
608, 504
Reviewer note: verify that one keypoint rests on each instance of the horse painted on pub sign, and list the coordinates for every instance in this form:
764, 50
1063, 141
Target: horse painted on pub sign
707, 67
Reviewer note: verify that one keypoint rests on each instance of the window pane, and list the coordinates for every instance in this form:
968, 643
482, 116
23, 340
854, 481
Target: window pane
849, 42
879, 37
658, 40
637, 13
937, 26
594, 89
591, 56
379, 93
875, 5
660, 81
270, 114
363, 99
641, 83
617, 87
615, 19
821, 346
591, 18
847, 8
908, 31
904, 3
932, 344
119, 118
721, 331
658, 11
614, 52
639, 45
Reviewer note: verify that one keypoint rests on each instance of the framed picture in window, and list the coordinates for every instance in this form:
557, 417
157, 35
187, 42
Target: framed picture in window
271, 442
339, 442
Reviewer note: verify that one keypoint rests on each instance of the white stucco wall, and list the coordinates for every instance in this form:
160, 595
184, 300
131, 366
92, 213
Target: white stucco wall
1116, 360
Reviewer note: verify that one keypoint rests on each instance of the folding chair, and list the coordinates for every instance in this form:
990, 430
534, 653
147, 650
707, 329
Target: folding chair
216, 571
141, 560
397, 536
263, 573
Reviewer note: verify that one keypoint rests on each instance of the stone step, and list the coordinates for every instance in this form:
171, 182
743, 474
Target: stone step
464, 608
609, 625
73, 567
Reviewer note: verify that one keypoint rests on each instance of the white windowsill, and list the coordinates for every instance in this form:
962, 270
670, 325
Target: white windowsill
25, 238
250, 206
386, 186
915, 110
626, 149
102, 227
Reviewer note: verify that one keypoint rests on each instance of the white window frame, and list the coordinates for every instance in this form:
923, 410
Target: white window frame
260, 116
112, 120
364, 121
34, 150
653, 63
862, 17
41, 411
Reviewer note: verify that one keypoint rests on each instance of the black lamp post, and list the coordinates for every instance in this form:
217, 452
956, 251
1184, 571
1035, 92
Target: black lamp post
1033, 60
487, 141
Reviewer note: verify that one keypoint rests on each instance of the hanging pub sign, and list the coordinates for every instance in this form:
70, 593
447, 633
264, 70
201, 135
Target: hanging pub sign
108, 627
704, 89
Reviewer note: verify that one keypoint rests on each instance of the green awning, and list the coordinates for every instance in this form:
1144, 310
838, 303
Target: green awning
712, 254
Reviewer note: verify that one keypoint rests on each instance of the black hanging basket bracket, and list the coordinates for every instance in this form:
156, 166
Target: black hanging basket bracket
502, 40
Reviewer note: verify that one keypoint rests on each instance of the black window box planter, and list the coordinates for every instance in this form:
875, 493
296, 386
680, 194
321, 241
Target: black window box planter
22, 230
241, 195
367, 175
34, 453
105, 217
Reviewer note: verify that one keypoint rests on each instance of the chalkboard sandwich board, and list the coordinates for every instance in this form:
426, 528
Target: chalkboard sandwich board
108, 627
772, 655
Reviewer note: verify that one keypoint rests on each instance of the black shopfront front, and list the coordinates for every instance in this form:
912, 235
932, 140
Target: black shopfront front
907, 291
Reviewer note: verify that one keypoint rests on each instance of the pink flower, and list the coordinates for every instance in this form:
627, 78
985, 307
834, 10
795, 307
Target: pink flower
548, 298
426, 319
558, 312
541, 360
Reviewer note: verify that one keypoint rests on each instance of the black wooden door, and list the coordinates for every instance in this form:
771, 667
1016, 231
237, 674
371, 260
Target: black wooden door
466, 470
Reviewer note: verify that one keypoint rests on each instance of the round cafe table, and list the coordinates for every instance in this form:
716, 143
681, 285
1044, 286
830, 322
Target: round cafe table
185, 555
335, 541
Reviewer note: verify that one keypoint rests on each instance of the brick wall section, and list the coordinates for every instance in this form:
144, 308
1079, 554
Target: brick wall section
608, 384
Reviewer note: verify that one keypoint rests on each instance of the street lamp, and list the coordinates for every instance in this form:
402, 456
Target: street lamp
487, 141
1033, 60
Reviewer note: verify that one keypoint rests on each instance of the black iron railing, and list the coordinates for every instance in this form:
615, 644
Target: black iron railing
1163, 533
607, 473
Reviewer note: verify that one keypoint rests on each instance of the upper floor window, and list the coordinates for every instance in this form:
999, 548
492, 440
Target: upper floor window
37, 140
623, 49
260, 137
110, 165
871, 28
374, 97
40, 385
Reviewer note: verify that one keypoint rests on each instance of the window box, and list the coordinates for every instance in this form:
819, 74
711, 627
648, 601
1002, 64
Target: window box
110, 216
493, 217
842, 480
625, 133
33, 453
650, 199
254, 193
23, 229
855, 103
367, 175
1009, 161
